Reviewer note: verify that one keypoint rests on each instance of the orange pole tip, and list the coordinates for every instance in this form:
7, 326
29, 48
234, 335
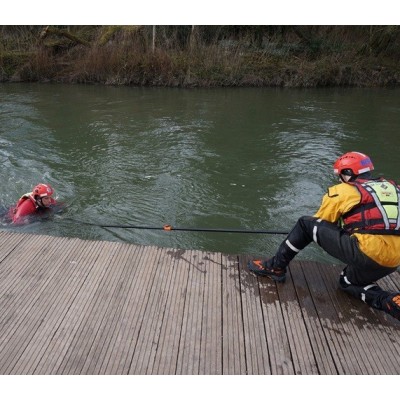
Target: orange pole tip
167, 228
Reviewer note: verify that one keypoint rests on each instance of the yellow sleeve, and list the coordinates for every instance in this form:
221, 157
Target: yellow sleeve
338, 200
329, 209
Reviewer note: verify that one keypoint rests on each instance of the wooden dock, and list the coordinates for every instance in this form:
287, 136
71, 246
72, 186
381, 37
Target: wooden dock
76, 307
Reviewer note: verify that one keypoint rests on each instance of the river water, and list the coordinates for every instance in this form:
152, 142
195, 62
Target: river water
252, 159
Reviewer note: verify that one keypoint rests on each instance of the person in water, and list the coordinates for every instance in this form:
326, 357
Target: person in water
358, 222
34, 203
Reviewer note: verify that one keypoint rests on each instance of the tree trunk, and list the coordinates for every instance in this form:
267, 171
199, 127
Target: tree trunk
58, 32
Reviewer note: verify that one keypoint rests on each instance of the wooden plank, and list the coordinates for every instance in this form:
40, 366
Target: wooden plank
105, 349
69, 306
120, 354
275, 328
30, 311
190, 344
233, 345
257, 354
153, 316
299, 341
166, 357
109, 272
50, 305
324, 360
337, 329
148, 269
8, 242
211, 332
365, 331
69, 331
14, 266
391, 282
395, 277
21, 281
103, 342
72, 304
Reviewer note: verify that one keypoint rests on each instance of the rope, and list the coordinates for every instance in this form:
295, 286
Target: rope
171, 228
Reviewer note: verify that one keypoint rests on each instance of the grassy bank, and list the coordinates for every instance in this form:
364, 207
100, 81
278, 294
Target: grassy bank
202, 56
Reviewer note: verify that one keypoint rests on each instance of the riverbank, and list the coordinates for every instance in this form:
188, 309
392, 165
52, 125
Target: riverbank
208, 56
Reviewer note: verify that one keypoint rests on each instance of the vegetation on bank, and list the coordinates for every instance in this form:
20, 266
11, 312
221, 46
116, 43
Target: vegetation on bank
202, 56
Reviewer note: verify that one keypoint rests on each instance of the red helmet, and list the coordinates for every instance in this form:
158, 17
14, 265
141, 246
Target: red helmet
42, 190
353, 163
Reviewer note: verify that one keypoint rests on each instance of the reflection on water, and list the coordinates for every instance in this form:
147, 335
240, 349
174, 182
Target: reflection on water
212, 158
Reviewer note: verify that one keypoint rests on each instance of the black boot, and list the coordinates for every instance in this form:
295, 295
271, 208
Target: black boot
390, 304
268, 268
373, 295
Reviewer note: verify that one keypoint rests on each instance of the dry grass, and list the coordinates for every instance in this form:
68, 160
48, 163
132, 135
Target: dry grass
203, 56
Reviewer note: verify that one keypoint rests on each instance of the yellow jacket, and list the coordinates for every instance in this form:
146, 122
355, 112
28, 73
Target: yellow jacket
384, 249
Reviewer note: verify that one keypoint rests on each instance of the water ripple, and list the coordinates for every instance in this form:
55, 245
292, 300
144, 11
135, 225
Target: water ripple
250, 159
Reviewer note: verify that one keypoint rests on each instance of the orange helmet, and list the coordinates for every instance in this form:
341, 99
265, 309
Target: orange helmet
352, 163
42, 190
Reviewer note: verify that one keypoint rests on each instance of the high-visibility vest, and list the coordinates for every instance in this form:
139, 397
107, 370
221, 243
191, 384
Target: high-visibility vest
378, 211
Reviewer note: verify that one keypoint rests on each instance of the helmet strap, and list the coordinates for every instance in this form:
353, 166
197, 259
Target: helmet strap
39, 202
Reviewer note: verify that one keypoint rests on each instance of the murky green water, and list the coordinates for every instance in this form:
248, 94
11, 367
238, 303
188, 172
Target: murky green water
209, 158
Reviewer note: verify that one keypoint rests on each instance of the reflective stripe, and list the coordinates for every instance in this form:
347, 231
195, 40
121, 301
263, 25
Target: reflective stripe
379, 208
367, 288
314, 234
363, 297
346, 280
291, 246
378, 204
315, 229
398, 202
362, 170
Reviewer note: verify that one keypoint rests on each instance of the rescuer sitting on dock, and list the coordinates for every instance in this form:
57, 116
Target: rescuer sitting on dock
358, 222
37, 202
